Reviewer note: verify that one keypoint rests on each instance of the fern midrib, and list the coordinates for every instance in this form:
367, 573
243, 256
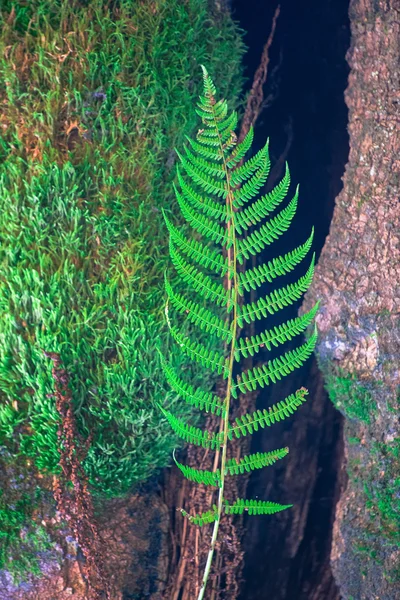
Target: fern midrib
232, 264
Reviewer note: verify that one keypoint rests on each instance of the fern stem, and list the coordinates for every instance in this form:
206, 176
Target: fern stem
232, 264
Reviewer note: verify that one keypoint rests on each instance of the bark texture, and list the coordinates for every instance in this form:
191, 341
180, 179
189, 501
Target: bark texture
358, 281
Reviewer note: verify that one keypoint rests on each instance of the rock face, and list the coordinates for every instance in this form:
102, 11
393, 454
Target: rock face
358, 281
135, 532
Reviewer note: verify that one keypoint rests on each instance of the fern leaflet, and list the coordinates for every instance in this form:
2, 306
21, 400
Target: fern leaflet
254, 461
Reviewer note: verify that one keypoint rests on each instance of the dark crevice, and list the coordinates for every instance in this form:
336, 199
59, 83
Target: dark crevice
287, 555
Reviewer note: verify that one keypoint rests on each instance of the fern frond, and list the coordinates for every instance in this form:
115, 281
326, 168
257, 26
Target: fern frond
191, 434
200, 353
202, 284
209, 87
277, 299
245, 171
212, 208
249, 423
197, 251
266, 204
208, 112
198, 315
203, 519
205, 152
197, 397
268, 233
208, 183
278, 335
275, 369
217, 187
241, 149
254, 507
247, 191
201, 223
206, 141
227, 126
204, 164
199, 476
254, 461
281, 265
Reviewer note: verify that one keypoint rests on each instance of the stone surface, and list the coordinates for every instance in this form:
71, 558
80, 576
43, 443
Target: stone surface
135, 533
358, 280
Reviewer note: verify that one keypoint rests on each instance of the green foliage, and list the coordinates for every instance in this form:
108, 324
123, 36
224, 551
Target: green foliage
254, 507
233, 467
22, 536
350, 396
382, 488
249, 423
94, 95
20, 542
254, 461
89, 118
216, 192
240, 506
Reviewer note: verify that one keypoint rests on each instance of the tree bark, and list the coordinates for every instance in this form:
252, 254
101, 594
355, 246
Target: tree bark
358, 282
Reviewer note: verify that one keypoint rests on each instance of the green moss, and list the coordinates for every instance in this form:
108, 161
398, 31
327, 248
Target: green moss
22, 536
354, 441
84, 245
350, 396
95, 96
382, 486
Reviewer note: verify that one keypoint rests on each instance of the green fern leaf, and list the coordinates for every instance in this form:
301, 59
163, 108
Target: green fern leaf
247, 191
277, 300
255, 507
199, 353
205, 141
254, 461
200, 253
281, 265
218, 111
203, 519
201, 223
205, 165
197, 397
205, 152
241, 149
209, 87
278, 335
265, 205
191, 434
276, 369
268, 233
249, 167
216, 191
227, 126
209, 184
249, 423
201, 283
205, 477
198, 315
212, 208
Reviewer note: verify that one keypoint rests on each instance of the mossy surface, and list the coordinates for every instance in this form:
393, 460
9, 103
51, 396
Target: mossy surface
95, 96
23, 538
352, 397
371, 529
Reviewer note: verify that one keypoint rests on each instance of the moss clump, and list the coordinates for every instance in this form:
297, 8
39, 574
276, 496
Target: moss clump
350, 396
382, 488
22, 536
95, 96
